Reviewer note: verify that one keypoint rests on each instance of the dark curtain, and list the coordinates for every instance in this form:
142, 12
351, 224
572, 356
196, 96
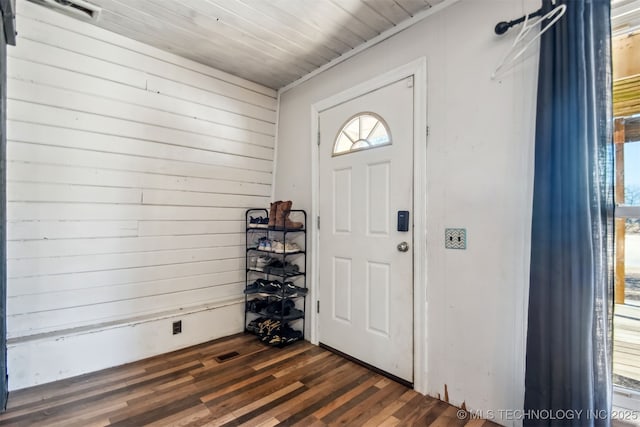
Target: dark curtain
568, 363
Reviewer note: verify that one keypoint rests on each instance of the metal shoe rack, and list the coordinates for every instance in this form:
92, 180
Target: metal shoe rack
255, 299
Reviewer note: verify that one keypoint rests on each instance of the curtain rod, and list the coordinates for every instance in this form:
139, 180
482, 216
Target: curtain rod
503, 27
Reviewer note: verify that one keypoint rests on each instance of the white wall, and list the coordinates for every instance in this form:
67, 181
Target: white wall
479, 163
129, 170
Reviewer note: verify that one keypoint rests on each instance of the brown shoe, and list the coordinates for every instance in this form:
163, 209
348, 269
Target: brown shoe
282, 221
273, 213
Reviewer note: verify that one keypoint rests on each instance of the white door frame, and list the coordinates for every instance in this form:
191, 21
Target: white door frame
417, 69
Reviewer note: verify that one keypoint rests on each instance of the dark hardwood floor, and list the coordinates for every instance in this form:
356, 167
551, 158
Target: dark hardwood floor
231, 382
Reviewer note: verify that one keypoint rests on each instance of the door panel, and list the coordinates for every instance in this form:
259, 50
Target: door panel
341, 289
377, 301
342, 201
378, 207
366, 284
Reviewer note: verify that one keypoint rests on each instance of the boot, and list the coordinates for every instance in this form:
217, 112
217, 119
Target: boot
273, 213
282, 217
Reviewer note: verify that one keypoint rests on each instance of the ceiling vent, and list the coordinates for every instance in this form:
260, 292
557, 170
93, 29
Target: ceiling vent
76, 8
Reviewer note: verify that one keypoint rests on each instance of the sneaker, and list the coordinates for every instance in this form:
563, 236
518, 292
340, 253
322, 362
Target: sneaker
265, 245
282, 307
292, 247
286, 247
255, 244
267, 329
256, 305
281, 269
289, 335
271, 287
283, 335
258, 222
273, 267
277, 246
254, 325
253, 288
290, 289
262, 262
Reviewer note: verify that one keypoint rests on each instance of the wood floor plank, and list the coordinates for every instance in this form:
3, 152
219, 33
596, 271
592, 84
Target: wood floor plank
286, 355
23, 400
388, 410
424, 414
249, 412
342, 403
477, 422
94, 416
410, 406
139, 405
315, 398
309, 361
183, 418
343, 414
310, 421
271, 422
449, 418
300, 385
388, 394
390, 422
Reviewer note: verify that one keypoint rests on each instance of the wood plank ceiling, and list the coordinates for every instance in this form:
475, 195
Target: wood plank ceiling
625, 17
271, 42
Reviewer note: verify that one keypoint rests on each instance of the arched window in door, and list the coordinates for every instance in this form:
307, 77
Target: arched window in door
362, 132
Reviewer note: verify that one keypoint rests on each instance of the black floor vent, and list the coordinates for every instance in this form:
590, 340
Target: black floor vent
226, 356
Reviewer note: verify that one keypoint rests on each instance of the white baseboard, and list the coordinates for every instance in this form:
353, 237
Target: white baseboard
50, 357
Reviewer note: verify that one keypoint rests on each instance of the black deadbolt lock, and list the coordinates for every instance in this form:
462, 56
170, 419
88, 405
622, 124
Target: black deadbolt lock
403, 220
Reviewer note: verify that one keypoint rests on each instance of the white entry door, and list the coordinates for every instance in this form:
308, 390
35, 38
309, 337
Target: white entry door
366, 279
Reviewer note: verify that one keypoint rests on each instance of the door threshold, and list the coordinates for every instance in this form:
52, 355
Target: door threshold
368, 366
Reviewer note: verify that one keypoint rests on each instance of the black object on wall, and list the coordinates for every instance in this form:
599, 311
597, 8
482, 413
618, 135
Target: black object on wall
503, 27
7, 34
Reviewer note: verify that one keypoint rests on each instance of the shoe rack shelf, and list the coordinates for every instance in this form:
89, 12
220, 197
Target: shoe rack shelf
275, 285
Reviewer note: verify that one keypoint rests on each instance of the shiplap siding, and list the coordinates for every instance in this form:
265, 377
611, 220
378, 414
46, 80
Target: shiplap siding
129, 170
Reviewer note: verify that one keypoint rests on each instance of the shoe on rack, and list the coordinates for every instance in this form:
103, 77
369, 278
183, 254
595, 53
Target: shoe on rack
271, 287
291, 248
272, 214
290, 289
262, 262
284, 335
265, 244
259, 222
284, 248
289, 335
273, 267
287, 248
277, 246
267, 329
256, 305
256, 243
282, 221
280, 308
254, 325
252, 288
277, 267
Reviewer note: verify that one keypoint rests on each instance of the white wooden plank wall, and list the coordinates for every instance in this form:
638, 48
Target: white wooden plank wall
129, 170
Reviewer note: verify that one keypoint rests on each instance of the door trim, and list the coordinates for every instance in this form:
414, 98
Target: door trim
417, 69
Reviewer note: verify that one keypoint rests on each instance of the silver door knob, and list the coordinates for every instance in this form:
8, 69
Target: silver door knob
403, 247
